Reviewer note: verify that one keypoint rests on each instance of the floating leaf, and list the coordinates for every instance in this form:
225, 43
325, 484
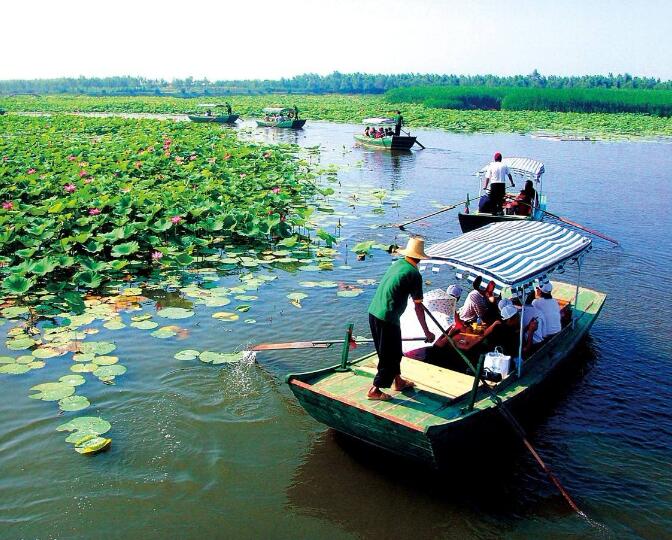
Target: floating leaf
105, 360
249, 321
350, 293
97, 347
83, 357
144, 325
52, 391
14, 369
243, 308
72, 380
83, 368
246, 297
91, 424
175, 313
93, 446
164, 332
15, 284
298, 296
226, 316
73, 403
114, 325
220, 358
20, 344
110, 371
122, 250
47, 352
187, 354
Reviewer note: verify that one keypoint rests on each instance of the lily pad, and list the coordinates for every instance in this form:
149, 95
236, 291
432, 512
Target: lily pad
187, 354
220, 358
105, 360
52, 391
217, 301
110, 371
249, 321
73, 403
47, 352
246, 297
25, 359
14, 312
83, 357
93, 446
91, 424
298, 296
38, 364
175, 313
83, 368
164, 332
243, 308
144, 325
7, 360
72, 380
14, 369
350, 293
97, 347
114, 325
226, 316
20, 344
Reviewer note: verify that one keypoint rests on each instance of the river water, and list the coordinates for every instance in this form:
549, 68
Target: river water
203, 451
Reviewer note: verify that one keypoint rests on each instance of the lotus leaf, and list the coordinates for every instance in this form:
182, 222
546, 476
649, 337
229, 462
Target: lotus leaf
73, 403
219, 358
105, 360
122, 250
175, 313
243, 308
217, 301
47, 352
246, 297
83, 357
17, 284
114, 325
20, 344
14, 369
38, 364
83, 368
72, 380
144, 325
187, 354
297, 296
91, 424
350, 293
93, 446
15, 311
52, 391
25, 359
110, 370
164, 332
7, 360
97, 347
226, 316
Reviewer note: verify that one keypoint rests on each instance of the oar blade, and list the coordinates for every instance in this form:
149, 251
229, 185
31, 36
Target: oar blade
289, 345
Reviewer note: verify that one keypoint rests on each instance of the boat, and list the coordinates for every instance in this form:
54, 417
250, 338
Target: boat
389, 142
228, 118
521, 169
281, 117
447, 407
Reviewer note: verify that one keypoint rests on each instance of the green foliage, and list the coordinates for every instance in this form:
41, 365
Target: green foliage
587, 100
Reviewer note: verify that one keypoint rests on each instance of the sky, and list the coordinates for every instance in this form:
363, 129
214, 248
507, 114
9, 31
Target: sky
260, 39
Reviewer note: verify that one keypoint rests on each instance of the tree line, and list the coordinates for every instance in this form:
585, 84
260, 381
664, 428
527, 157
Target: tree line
312, 83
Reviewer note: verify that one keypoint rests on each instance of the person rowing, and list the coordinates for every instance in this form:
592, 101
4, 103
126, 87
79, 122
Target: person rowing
495, 177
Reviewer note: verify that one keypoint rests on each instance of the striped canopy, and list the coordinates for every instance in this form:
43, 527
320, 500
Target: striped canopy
512, 253
525, 167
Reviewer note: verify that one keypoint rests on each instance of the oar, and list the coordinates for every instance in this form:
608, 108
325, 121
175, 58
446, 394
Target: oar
568, 222
444, 209
416, 140
324, 344
504, 411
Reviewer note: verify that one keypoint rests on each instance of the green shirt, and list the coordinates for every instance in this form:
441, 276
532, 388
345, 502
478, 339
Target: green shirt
401, 280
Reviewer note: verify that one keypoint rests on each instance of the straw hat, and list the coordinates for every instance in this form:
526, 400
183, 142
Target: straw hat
415, 248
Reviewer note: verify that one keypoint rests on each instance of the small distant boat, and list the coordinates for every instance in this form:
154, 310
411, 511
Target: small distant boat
522, 169
228, 118
448, 407
281, 117
389, 142
2, 111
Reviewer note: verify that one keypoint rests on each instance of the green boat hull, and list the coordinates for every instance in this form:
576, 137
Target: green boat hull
393, 142
228, 119
286, 124
426, 424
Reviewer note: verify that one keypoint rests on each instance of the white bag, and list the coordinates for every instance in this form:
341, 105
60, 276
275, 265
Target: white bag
498, 362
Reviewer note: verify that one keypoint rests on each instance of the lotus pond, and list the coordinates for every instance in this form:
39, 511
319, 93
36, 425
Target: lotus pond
206, 442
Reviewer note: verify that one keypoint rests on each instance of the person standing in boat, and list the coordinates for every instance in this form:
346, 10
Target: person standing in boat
229, 110
398, 122
401, 280
495, 177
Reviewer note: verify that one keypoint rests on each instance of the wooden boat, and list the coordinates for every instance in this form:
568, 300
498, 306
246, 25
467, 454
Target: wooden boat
390, 142
281, 117
448, 408
521, 169
228, 118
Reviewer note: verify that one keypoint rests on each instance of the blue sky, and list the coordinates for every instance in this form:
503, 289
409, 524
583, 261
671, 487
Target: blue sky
269, 39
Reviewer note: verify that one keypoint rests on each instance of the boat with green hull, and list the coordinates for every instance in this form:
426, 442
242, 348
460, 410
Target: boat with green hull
217, 118
449, 407
390, 141
281, 117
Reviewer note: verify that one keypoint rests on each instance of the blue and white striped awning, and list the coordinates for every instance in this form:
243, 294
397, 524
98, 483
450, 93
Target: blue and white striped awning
525, 167
512, 253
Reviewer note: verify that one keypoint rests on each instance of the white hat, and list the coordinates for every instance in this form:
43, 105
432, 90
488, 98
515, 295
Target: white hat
547, 287
504, 302
454, 290
415, 248
508, 311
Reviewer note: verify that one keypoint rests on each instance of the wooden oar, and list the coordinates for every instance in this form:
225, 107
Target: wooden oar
324, 344
569, 222
504, 411
416, 140
444, 209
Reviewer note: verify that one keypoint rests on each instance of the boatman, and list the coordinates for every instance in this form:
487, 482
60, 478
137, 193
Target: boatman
228, 108
296, 112
401, 280
398, 121
495, 176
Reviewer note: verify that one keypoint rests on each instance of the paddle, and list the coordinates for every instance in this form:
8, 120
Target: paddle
568, 222
325, 344
444, 209
506, 414
416, 140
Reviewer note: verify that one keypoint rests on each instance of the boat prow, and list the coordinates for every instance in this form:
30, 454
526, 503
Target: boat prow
392, 142
226, 119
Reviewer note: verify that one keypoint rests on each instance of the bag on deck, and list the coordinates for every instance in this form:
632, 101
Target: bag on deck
498, 362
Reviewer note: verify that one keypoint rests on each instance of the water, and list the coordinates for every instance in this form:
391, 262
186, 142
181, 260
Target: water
204, 451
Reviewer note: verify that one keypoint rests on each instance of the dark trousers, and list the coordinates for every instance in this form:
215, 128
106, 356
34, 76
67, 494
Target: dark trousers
387, 340
397, 129
497, 192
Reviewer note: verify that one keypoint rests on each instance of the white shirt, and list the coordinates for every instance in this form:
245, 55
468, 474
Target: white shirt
497, 173
529, 313
551, 311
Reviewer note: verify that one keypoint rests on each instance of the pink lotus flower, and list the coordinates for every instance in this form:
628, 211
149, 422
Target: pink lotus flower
175, 220
94, 211
88, 180
156, 255
243, 175
276, 190
227, 156
179, 160
126, 189
167, 142
5, 158
267, 155
8, 205
32, 171
71, 158
69, 187
83, 173
192, 157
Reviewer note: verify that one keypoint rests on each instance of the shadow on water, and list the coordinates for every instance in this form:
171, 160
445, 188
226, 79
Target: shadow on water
359, 486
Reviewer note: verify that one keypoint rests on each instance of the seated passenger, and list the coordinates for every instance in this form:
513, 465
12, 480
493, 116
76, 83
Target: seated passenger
476, 304
366, 131
522, 204
485, 204
389, 132
506, 333
529, 313
550, 309
380, 133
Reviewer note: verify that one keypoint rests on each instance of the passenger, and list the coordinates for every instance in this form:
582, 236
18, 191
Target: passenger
476, 304
389, 132
529, 313
380, 134
549, 308
495, 177
506, 333
366, 131
208, 113
522, 205
485, 205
